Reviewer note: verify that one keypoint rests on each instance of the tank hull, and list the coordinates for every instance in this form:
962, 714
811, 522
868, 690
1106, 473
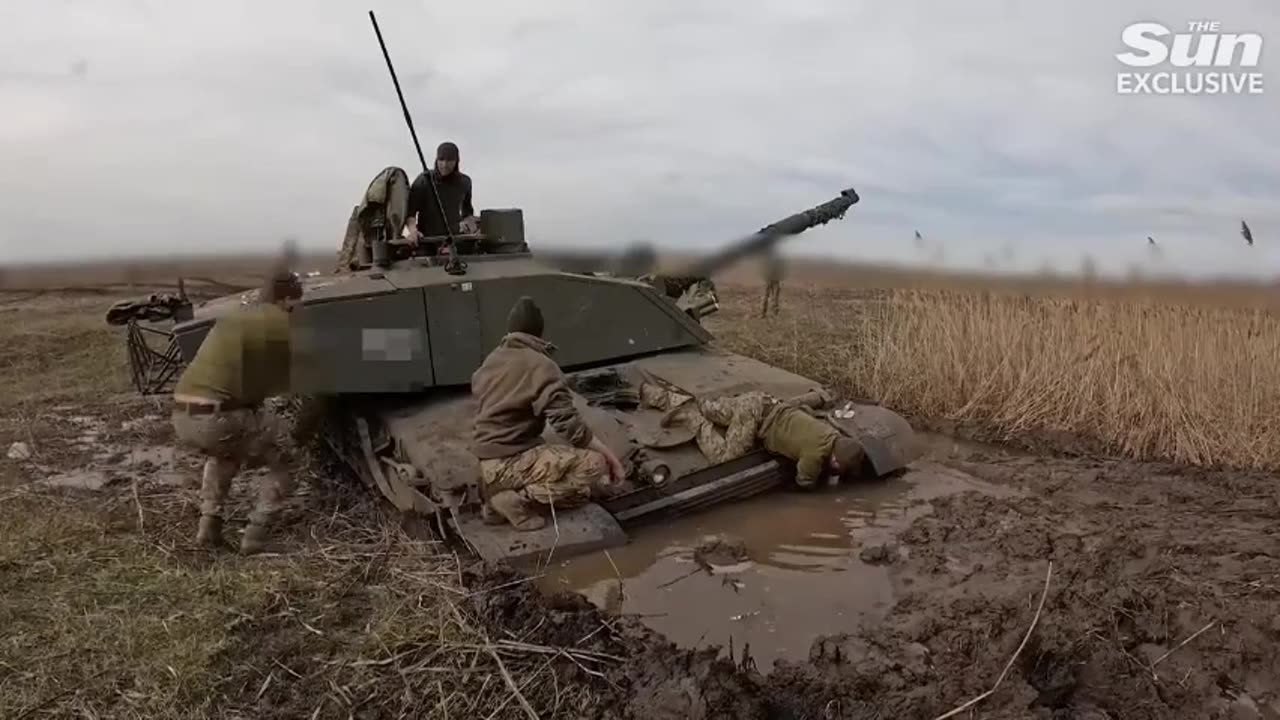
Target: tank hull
414, 450
391, 344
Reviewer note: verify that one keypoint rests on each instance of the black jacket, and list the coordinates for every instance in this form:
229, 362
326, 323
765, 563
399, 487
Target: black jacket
455, 196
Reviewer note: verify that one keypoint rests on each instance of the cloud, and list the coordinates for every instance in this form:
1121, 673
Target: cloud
147, 127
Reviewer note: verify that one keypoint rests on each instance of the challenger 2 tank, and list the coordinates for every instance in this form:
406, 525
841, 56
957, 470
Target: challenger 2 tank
391, 346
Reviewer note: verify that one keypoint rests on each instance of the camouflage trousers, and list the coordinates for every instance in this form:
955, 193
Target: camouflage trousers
231, 441
546, 476
740, 415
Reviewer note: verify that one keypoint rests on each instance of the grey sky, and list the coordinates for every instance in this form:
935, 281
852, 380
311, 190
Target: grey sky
993, 127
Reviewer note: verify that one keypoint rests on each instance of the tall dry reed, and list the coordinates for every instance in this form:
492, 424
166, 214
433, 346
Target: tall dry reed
1144, 378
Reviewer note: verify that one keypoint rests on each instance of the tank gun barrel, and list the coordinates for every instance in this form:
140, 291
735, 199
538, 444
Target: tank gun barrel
767, 237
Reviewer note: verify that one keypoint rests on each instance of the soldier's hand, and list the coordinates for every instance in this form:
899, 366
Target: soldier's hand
616, 472
469, 226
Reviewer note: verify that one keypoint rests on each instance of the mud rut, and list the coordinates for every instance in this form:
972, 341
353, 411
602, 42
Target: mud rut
1164, 602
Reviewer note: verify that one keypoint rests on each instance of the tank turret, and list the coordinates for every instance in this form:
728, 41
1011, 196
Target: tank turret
415, 323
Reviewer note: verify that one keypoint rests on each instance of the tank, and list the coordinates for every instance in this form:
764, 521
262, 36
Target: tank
392, 347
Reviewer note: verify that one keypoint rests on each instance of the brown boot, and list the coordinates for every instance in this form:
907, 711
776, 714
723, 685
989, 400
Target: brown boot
254, 540
517, 511
209, 534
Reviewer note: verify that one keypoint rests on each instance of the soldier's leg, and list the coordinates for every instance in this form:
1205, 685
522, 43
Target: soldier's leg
741, 416
562, 477
547, 477
654, 395
504, 480
719, 410
215, 484
747, 413
702, 417
219, 437
710, 439
274, 487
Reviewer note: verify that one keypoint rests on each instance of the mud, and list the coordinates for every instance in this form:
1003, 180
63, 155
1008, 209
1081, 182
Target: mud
1164, 598
770, 574
1163, 603
639, 675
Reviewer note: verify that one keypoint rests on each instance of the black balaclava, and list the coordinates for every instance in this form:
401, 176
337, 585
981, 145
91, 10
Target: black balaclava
449, 151
525, 317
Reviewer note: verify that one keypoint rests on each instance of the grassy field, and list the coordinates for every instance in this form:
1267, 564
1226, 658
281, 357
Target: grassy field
1154, 375
110, 612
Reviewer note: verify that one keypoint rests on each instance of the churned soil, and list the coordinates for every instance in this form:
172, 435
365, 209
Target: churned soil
1163, 601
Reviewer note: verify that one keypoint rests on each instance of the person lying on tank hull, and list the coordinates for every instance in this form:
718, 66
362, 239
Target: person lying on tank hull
519, 390
785, 428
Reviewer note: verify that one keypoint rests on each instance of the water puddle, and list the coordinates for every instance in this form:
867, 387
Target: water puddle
773, 572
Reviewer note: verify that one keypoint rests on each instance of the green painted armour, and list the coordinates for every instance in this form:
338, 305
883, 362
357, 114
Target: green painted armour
245, 358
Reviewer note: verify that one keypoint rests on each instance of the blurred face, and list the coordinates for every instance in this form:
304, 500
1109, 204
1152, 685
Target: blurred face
444, 167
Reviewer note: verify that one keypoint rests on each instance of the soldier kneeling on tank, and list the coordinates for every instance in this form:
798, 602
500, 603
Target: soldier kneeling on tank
785, 428
519, 390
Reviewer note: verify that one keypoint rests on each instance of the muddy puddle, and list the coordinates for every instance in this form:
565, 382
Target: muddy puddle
772, 572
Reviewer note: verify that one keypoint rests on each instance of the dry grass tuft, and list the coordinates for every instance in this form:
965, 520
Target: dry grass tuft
1146, 378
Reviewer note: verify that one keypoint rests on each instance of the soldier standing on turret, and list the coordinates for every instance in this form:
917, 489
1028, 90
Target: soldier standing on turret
454, 189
